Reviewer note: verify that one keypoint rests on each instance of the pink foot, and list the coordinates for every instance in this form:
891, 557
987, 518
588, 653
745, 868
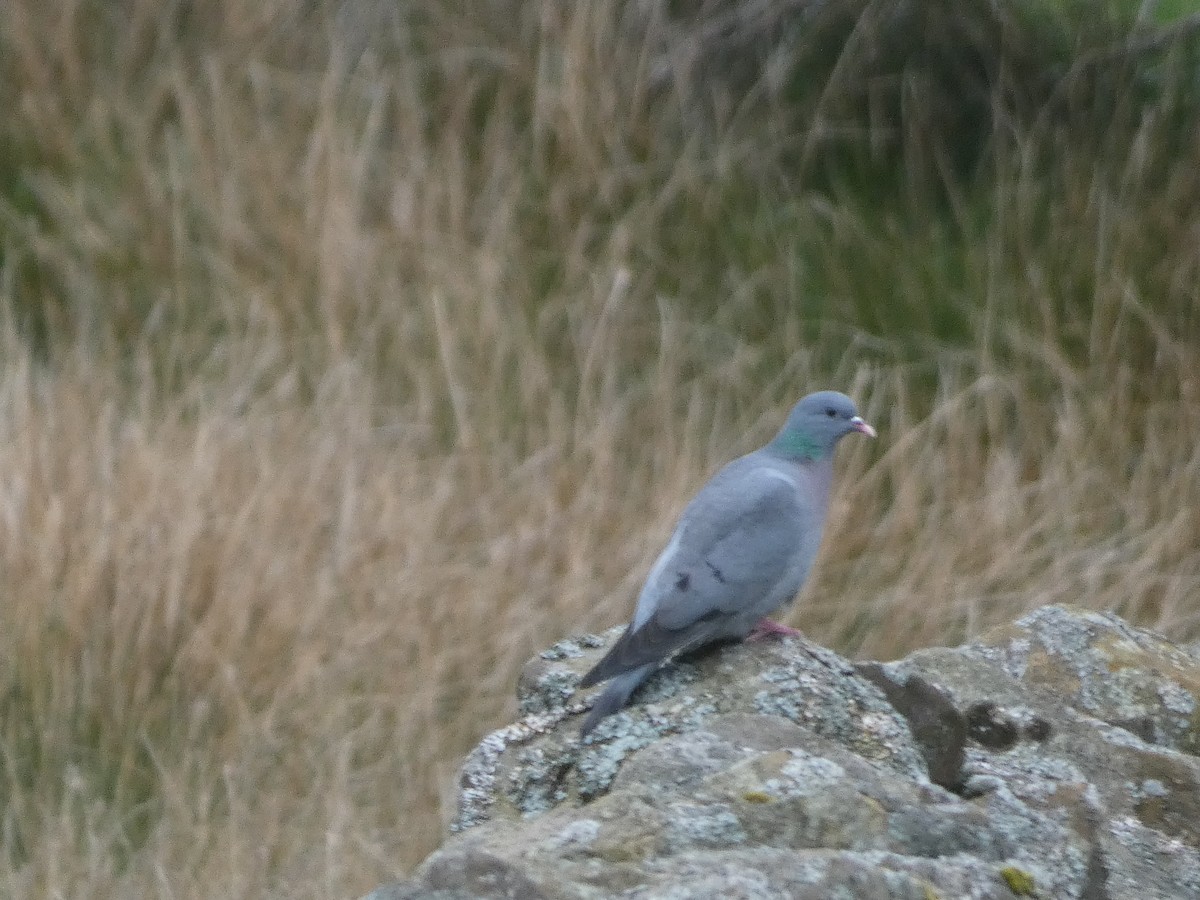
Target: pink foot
766, 627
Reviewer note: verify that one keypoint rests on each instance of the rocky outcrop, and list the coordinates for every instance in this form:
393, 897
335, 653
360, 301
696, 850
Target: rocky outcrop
1056, 757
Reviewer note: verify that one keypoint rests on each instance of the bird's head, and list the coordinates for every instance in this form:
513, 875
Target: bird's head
817, 423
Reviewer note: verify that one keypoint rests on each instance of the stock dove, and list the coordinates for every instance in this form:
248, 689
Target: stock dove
741, 550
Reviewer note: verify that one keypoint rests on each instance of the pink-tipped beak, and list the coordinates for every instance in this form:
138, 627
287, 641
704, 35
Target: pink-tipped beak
859, 424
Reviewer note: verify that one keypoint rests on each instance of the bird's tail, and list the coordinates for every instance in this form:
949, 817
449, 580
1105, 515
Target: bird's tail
615, 695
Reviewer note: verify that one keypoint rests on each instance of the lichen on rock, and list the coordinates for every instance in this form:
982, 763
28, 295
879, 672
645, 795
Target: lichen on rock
1052, 757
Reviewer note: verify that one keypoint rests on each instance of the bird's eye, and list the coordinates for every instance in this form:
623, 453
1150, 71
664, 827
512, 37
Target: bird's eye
830, 411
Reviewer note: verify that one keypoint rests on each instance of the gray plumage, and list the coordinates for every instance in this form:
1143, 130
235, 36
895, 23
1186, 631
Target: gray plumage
741, 550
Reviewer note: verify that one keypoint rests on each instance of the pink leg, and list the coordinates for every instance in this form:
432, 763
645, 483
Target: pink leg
766, 627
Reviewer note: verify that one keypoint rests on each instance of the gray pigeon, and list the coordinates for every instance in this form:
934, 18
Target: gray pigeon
741, 550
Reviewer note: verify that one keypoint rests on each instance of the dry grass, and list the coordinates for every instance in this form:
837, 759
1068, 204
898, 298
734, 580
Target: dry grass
333, 388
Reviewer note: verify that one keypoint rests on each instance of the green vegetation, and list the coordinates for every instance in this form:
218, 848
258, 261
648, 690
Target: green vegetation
1019, 881
352, 352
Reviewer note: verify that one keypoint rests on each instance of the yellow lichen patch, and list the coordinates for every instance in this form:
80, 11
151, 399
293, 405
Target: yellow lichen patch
1121, 653
1160, 658
1019, 881
757, 797
1046, 669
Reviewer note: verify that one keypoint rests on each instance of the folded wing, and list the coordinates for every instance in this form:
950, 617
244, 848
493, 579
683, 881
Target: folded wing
733, 559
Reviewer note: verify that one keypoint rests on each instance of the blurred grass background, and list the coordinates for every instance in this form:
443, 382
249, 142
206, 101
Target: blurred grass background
353, 352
